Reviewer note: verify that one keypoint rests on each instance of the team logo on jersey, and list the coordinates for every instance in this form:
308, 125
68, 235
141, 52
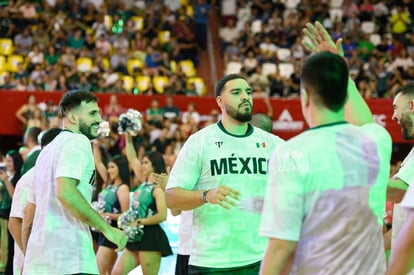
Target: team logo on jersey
263, 144
218, 144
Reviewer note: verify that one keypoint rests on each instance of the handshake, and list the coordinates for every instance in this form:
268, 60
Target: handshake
129, 122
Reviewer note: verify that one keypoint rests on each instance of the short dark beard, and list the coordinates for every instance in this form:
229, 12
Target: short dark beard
237, 115
407, 127
86, 130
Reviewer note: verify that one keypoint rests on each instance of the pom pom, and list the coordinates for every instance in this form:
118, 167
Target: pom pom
103, 129
130, 122
127, 223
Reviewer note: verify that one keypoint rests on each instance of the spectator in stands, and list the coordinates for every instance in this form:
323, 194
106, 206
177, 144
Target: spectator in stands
21, 72
403, 61
35, 57
258, 78
227, 34
267, 47
102, 45
154, 113
192, 90
400, 22
293, 83
250, 63
118, 62
349, 9
7, 26
249, 46
21, 84
41, 38
49, 83
192, 114
186, 45
365, 47
62, 84
113, 109
76, 41
23, 42
36, 76
59, 39
201, 13
381, 13
51, 56
232, 52
170, 111
28, 12
382, 50
153, 62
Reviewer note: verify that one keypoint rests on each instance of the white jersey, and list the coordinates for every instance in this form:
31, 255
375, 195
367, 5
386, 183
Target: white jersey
326, 191
212, 157
406, 174
17, 211
59, 243
184, 232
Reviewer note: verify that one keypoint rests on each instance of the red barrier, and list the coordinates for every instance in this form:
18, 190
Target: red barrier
287, 116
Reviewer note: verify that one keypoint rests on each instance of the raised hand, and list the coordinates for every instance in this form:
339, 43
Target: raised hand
320, 40
159, 179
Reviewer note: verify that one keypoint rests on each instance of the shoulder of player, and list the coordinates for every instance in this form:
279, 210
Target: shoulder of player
266, 135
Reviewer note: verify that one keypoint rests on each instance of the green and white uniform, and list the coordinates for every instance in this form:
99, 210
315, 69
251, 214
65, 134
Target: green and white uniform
326, 191
399, 215
59, 242
212, 157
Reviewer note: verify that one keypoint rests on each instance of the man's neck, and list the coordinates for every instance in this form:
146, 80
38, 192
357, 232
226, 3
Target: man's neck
324, 116
234, 127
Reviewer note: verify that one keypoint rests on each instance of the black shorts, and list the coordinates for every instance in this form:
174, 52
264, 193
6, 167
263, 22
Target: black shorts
181, 267
251, 269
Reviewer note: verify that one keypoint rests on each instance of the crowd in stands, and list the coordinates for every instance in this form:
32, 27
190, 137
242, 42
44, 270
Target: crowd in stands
151, 47
261, 40
130, 47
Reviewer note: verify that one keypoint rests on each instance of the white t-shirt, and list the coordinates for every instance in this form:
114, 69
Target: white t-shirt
224, 238
327, 190
17, 210
406, 174
59, 243
184, 232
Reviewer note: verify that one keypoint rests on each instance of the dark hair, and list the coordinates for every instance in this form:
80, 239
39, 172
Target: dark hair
157, 161
224, 80
123, 169
49, 135
17, 164
33, 133
407, 89
74, 99
327, 74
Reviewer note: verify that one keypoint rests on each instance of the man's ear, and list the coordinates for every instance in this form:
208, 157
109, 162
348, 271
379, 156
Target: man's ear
72, 117
411, 106
219, 101
305, 97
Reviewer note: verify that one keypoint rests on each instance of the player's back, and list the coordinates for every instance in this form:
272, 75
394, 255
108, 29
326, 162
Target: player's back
344, 170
